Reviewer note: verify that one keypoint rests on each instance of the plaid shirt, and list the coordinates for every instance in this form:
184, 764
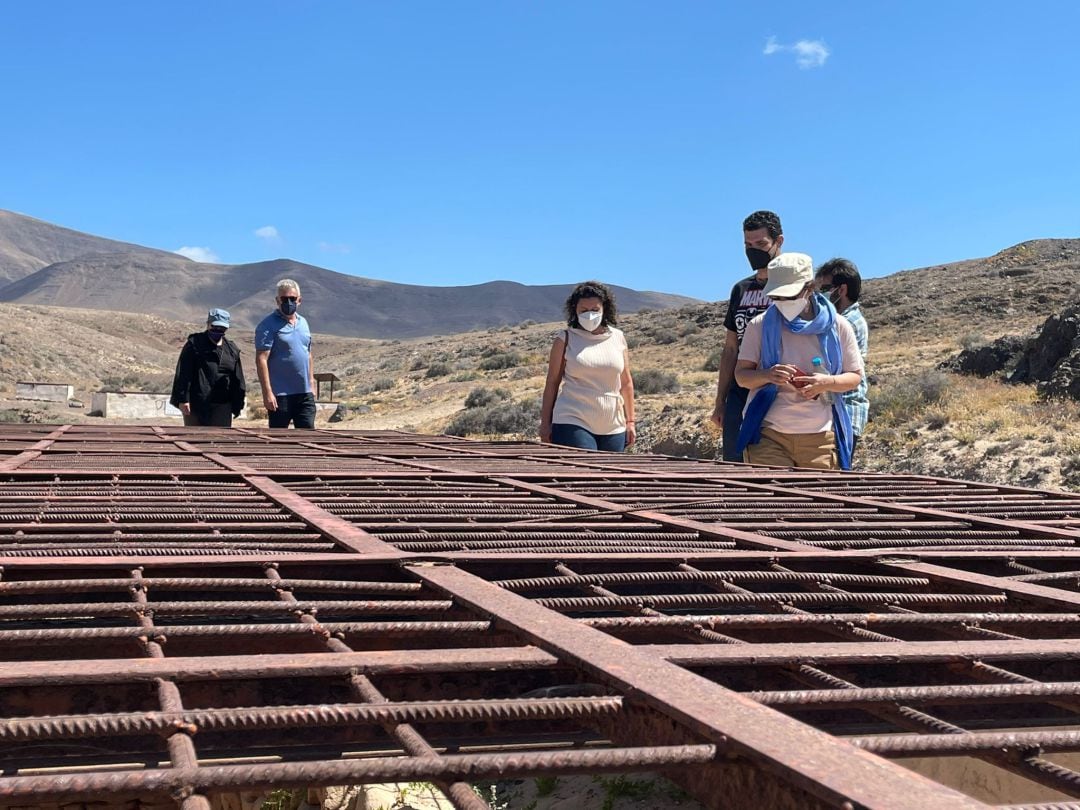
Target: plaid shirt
857, 402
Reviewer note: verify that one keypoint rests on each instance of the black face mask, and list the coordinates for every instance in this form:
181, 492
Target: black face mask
832, 293
287, 307
759, 259
216, 334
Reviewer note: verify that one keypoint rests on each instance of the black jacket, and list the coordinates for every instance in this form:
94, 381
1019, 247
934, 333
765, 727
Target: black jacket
208, 374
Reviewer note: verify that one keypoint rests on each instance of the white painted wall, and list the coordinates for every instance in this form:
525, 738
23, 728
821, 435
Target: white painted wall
133, 405
44, 392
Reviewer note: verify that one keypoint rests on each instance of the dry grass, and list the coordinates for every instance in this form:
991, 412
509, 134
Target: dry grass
977, 429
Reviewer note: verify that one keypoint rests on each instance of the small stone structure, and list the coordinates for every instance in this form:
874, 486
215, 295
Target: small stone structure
43, 391
132, 405
137, 405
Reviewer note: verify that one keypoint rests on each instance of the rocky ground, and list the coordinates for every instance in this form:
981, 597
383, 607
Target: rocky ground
926, 416
617, 792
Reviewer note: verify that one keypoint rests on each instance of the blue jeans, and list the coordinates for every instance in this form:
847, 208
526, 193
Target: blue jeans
296, 408
575, 436
733, 408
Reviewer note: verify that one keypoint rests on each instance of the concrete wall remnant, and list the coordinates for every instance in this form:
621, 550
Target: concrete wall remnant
43, 391
137, 405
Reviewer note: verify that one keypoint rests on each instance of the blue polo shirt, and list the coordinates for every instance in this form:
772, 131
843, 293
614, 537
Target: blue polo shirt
290, 352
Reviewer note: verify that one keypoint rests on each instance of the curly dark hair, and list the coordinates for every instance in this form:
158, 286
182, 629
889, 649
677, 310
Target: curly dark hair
763, 219
843, 271
592, 289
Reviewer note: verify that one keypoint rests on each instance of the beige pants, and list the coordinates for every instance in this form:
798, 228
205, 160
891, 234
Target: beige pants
815, 450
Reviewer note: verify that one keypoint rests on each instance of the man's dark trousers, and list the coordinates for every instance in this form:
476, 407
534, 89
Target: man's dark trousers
296, 408
733, 410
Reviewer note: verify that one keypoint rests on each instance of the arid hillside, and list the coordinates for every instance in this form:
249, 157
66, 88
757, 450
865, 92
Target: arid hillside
27, 245
52, 266
923, 419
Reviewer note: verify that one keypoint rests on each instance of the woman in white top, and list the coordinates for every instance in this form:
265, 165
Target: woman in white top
594, 409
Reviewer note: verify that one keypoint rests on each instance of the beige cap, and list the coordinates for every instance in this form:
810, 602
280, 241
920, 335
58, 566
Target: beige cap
788, 274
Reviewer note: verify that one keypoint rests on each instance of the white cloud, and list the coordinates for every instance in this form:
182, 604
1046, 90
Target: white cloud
334, 247
809, 53
199, 254
269, 233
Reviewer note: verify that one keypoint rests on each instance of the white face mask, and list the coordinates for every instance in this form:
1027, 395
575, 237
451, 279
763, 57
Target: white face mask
590, 320
790, 309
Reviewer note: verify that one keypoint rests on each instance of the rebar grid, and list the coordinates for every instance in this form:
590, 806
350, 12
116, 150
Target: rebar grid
357, 606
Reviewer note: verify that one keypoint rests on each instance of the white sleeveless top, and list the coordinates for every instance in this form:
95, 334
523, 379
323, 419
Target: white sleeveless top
589, 396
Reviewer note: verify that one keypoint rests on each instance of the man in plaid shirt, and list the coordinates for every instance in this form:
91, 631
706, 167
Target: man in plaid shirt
840, 280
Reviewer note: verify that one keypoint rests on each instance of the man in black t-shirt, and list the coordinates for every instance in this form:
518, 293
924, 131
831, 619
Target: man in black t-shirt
762, 238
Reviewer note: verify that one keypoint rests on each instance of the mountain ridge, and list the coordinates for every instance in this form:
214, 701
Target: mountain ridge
28, 244
154, 282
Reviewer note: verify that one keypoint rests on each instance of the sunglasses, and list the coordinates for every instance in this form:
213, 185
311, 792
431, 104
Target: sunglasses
290, 298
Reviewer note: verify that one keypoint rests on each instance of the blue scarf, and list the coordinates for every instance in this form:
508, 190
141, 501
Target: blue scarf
823, 324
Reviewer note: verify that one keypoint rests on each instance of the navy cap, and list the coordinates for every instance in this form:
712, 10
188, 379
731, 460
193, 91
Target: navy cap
218, 317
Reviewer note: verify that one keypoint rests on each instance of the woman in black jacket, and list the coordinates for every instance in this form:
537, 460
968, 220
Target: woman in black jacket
209, 384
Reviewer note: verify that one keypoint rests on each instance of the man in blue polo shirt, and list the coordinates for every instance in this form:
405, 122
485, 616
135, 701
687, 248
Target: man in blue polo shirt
283, 360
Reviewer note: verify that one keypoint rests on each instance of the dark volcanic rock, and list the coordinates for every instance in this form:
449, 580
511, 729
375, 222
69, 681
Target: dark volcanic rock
1052, 358
986, 360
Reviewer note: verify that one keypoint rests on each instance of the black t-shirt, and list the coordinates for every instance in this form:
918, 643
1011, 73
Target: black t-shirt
747, 302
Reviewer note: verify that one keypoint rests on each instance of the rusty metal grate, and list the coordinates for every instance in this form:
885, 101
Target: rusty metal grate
61, 516
187, 612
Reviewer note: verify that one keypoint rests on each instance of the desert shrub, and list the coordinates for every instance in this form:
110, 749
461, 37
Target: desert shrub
377, 384
482, 397
632, 341
438, 369
465, 376
389, 364
545, 785
689, 329
937, 420
1070, 471
146, 383
712, 362
501, 418
665, 338
655, 381
500, 360
973, 340
909, 394
418, 363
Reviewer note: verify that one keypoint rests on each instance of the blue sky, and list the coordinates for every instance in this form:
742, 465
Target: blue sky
458, 142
